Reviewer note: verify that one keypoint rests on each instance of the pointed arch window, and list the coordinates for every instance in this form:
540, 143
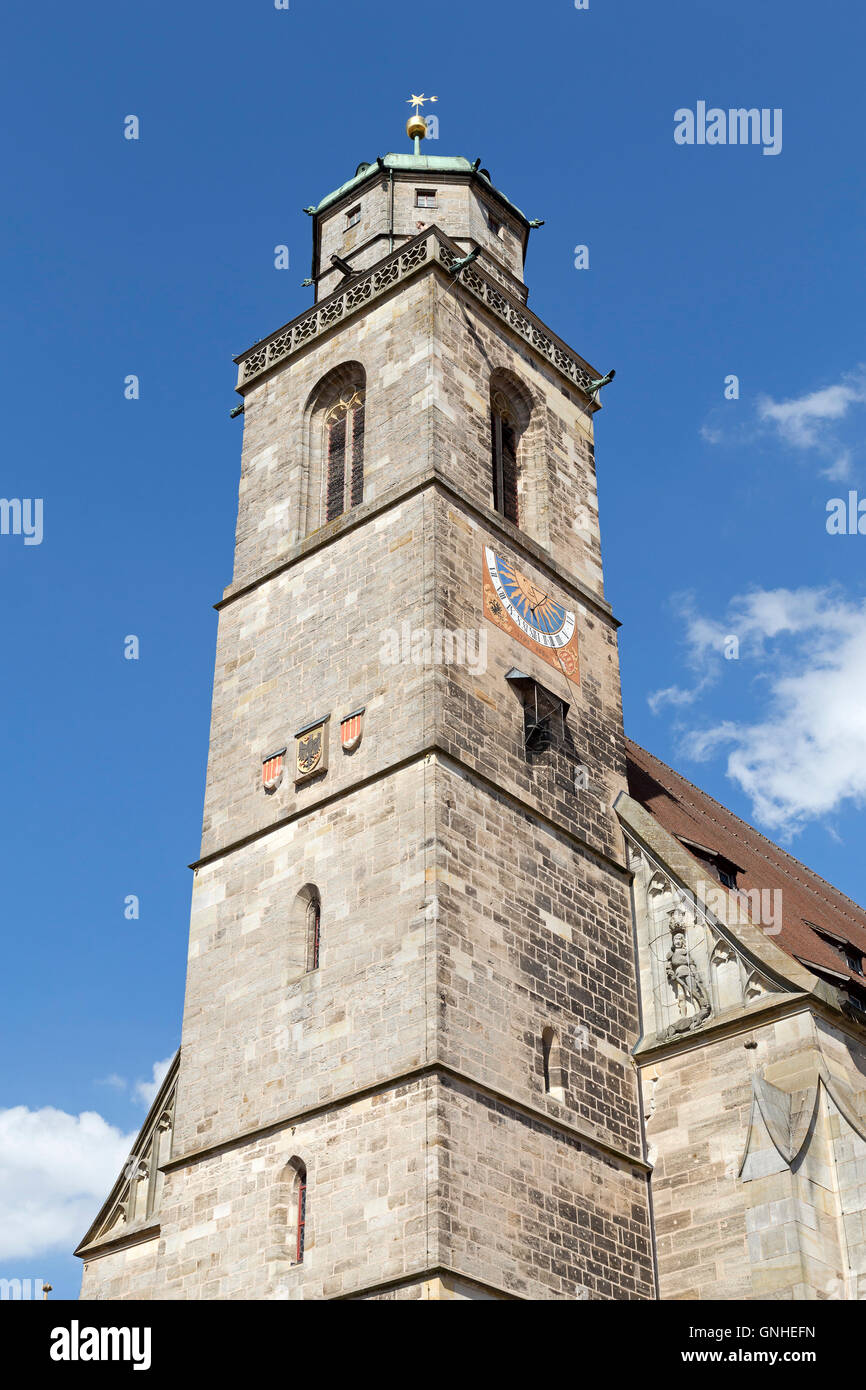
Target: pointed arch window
344, 448
289, 1211
314, 931
503, 447
301, 1216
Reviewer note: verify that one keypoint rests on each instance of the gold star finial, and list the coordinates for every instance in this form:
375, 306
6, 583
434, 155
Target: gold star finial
416, 126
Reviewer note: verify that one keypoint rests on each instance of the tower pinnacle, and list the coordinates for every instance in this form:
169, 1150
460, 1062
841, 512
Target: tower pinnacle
416, 126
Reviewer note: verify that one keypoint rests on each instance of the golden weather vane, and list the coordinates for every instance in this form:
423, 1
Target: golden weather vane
416, 126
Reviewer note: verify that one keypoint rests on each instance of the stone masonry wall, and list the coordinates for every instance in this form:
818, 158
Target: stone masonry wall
463, 213
768, 1229
262, 1040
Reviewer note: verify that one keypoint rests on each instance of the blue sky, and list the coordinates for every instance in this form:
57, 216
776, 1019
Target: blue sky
156, 257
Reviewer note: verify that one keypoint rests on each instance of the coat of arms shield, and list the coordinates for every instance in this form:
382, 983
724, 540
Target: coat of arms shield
351, 729
311, 750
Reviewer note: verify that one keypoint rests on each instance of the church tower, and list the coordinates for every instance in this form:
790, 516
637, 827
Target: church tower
405, 1066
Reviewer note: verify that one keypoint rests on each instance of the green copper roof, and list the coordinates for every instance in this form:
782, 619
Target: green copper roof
417, 164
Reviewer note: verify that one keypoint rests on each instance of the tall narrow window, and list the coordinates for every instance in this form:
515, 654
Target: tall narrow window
551, 1058
314, 932
504, 457
548, 1038
302, 1215
289, 1211
344, 427
334, 456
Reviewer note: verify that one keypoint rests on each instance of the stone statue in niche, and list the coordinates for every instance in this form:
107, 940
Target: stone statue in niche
684, 979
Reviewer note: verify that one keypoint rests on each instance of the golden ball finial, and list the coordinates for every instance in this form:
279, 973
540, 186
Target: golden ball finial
416, 126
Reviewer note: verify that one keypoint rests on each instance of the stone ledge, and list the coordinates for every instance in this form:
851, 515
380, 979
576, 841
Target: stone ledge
139, 1235
428, 478
447, 758
440, 1070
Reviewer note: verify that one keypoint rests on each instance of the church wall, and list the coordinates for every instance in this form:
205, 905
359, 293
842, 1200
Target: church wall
307, 643
440, 1288
700, 1102
536, 1211
392, 341
225, 1234
258, 1044
533, 933
558, 499
461, 212
774, 1226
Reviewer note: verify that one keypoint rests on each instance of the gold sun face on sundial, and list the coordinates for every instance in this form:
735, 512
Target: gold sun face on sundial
533, 596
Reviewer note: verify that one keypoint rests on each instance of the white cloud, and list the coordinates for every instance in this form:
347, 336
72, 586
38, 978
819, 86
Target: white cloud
142, 1092
56, 1170
801, 421
117, 1083
678, 696
839, 471
815, 422
804, 754
145, 1091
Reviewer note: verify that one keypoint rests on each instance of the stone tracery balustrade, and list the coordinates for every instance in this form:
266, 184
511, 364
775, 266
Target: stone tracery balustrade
369, 285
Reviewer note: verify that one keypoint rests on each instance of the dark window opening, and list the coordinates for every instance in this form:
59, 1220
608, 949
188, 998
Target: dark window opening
544, 713
353, 217
302, 1219
503, 446
851, 954
555, 1078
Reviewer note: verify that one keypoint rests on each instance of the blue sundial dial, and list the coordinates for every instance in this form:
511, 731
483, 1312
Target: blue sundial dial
537, 615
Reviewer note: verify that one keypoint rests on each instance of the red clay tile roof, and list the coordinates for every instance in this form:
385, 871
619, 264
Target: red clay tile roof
690, 814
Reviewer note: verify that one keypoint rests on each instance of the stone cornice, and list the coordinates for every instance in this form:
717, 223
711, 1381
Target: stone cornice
419, 756
414, 1276
429, 249
138, 1235
735, 1022
439, 1070
394, 497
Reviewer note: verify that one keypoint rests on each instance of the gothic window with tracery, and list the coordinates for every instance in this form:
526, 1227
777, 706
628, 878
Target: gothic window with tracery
344, 431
